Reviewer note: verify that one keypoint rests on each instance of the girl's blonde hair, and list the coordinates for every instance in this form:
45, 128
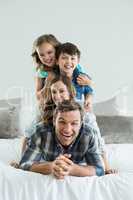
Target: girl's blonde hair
47, 38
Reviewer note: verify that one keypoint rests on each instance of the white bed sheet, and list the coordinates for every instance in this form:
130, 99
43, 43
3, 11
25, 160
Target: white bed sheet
16, 184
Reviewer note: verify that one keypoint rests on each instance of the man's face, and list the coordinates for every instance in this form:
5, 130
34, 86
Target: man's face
67, 63
67, 126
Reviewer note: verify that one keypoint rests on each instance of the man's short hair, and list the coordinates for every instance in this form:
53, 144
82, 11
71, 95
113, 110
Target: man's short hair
66, 106
69, 48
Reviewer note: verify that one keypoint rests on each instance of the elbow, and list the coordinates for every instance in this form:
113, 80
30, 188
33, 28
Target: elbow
99, 171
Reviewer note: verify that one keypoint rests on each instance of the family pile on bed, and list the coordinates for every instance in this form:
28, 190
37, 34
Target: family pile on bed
65, 139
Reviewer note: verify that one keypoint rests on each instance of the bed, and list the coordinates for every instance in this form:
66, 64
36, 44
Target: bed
16, 184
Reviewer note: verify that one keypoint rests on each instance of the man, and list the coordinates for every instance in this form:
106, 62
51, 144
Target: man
64, 149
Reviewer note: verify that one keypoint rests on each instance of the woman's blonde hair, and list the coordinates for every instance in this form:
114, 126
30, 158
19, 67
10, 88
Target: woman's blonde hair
48, 106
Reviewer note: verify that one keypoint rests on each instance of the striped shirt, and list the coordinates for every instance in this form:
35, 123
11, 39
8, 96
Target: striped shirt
43, 146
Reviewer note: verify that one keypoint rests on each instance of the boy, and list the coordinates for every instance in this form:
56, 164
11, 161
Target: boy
68, 57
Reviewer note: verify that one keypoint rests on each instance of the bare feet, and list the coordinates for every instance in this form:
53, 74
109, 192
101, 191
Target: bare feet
111, 171
14, 164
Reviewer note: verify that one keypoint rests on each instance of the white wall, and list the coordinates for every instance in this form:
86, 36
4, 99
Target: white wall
102, 29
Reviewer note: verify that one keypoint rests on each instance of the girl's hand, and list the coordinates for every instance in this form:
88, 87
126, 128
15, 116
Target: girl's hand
84, 80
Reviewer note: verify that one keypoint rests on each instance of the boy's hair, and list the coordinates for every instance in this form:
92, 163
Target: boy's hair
66, 106
69, 48
47, 38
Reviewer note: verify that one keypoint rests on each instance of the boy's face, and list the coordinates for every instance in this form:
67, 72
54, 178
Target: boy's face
67, 63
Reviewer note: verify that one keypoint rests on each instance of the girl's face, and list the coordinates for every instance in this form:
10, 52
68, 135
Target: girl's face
46, 53
59, 92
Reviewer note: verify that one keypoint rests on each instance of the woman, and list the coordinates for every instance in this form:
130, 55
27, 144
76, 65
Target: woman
56, 90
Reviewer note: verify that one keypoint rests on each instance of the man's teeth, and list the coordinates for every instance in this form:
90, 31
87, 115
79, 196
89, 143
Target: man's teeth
67, 135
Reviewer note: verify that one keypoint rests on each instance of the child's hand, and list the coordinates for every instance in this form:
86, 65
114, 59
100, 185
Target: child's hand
84, 80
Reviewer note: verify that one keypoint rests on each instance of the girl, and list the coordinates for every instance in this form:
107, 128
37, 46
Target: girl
44, 58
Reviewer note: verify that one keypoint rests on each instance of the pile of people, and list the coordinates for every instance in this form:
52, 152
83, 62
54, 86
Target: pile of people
66, 140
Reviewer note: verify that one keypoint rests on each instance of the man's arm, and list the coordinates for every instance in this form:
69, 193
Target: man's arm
64, 166
92, 155
78, 170
43, 168
31, 161
32, 153
33, 158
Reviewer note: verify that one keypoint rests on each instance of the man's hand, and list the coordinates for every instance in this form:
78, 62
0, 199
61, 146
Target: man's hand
62, 166
84, 80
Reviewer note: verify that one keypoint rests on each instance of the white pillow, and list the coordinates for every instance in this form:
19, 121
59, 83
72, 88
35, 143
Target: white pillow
124, 100
9, 118
107, 107
119, 104
10, 149
29, 113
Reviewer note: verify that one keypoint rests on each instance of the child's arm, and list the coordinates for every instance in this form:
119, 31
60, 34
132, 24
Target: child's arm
83, 79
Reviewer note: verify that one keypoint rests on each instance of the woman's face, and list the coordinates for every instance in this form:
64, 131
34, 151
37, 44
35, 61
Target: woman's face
46, 53
59, 92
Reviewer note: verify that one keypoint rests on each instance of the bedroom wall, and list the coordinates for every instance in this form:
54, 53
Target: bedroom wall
102, 29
